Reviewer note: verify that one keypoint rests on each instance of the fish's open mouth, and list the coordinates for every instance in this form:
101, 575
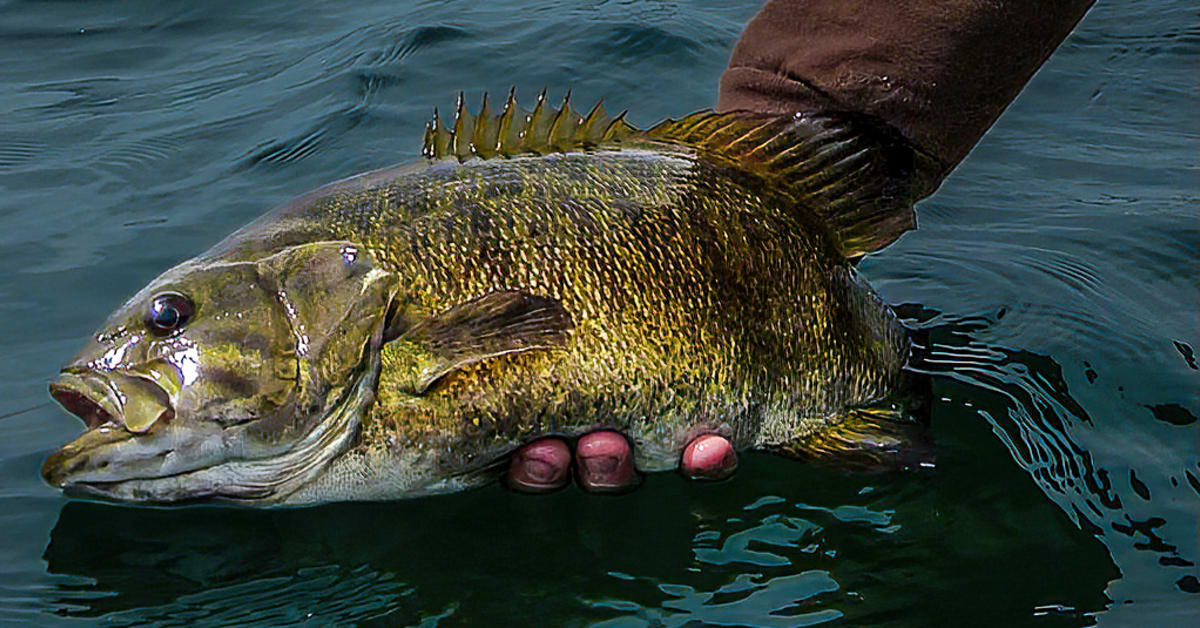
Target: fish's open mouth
125, 441
90, 397
81, 405
128, 400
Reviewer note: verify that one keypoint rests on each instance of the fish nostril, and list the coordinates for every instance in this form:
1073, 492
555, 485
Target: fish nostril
82, 406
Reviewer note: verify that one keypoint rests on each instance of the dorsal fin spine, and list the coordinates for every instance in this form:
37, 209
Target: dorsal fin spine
486, 131
536, 126
590, 124
505, 132
428, 139
460, 140
560, 126
441, 139
614, 128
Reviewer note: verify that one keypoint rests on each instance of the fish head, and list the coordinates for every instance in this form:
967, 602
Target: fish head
226, 378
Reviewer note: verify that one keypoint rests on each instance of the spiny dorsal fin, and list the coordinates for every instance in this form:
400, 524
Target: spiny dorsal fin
516, 131
856, 173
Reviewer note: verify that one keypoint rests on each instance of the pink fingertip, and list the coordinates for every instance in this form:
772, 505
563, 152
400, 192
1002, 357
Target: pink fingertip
540, 466
604, 462
709, 457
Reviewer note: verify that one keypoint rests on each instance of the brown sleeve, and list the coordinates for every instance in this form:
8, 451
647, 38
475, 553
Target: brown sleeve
939, 71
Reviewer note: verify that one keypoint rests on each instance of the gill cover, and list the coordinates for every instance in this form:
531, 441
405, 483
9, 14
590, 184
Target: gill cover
335, 298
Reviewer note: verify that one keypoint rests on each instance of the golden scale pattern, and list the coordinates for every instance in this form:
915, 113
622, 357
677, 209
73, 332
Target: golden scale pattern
704, 294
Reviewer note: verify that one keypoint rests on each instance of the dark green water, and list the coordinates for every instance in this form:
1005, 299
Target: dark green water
1055, 272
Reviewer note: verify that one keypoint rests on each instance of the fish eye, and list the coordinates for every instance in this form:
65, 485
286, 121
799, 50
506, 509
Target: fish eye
169, 311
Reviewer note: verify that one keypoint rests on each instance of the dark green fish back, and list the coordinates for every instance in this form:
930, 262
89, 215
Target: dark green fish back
858, 175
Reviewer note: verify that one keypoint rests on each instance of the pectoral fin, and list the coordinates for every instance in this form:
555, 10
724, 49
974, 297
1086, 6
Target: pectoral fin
490, 326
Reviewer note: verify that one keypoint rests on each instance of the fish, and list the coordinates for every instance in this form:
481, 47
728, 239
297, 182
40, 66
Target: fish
401, 332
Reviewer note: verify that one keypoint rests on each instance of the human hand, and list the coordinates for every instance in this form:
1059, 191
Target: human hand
603, 462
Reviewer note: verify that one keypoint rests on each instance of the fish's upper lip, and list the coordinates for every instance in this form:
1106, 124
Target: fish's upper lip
86, 395
130, 399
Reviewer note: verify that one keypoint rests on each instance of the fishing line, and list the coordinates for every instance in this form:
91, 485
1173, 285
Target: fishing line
12, 414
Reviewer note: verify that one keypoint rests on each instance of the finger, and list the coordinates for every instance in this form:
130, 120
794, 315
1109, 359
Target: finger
708, 457
541, 466
604, 462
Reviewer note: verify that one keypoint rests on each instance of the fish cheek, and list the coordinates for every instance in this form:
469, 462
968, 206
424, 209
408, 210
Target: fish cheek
234, 385
237, 356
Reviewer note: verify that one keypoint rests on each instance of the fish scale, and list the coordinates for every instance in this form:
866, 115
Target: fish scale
708, 312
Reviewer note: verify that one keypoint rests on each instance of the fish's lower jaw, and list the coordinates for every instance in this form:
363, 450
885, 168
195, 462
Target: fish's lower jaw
196, 487
268, 480
78, 457
139, 491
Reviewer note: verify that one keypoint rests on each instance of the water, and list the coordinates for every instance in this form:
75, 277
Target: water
1055, 273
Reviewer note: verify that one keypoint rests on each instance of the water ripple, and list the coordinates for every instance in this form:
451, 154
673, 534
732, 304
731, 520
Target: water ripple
1046, 431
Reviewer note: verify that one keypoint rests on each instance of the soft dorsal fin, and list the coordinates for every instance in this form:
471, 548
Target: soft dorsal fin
856, 173
496, 324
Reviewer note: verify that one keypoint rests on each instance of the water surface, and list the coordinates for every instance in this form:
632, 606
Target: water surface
1054, 273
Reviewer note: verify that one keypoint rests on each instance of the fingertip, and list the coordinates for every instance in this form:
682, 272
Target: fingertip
604, 462
540, 466
708, 457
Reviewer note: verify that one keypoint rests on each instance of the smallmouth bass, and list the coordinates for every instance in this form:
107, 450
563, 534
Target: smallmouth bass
400, 332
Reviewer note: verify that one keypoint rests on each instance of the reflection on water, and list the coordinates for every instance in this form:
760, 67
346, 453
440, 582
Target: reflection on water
808, 545
1034, 415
